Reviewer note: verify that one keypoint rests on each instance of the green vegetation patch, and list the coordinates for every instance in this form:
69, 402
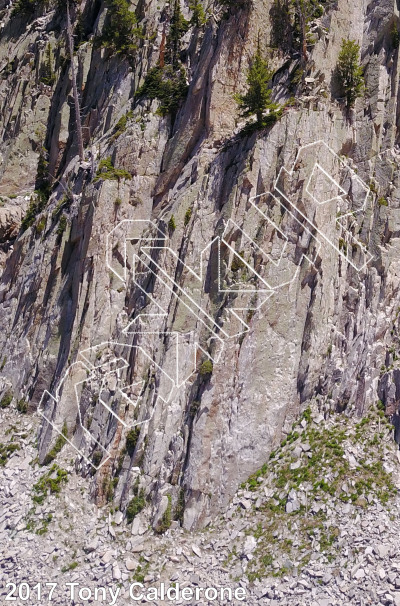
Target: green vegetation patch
69, 567
50, 483
6, 451
136, 504
166, 519
59, 443
28, 8
132, 438
320, 476
107, 171
22, 406
121, 125
206, 368
37, 203
199, 17
121, 33
172, 224
166, 84
6, 400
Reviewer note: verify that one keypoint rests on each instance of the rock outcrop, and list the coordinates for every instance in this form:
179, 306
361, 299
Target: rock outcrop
177, 298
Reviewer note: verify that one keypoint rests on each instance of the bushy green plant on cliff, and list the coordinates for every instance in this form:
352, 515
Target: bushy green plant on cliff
232, 5
107, 171
172, 224
350, 72
290, 20
394, 36
199, 16
6, 400
206, 368
281, 24
166, 84
50, 482
120, 127
6, 451
48, 76
62, 225
58, 445
257, 99
132, 438
121, 32
167, 80
136, 504
166, 519
22, 406
28, 8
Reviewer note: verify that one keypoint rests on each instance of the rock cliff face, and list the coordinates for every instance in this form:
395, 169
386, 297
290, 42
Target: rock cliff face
177, 297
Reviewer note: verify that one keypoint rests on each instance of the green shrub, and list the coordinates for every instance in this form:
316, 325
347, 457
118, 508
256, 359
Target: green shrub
107, 170
172, 224
97, 457
290, 23
40, 227
180, 507
199, 17
194, 408
62, 226
394, 36
237, 263
109, 486
281, 24
167, 85
48, 76
22, 406
178, 27
70, 567
37, 204
6, 400
296, 78
6, 450
136, 504
132, 438
120, 127
56, 211
166, 519
382, 202
27, 8
59, 443
50, 482
206, 368
188, 216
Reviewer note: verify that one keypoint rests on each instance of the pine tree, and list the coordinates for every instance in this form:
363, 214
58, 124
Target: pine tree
199, 17
350, 72
233, 5
258, 97
281, 24
121, 32
178, 27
